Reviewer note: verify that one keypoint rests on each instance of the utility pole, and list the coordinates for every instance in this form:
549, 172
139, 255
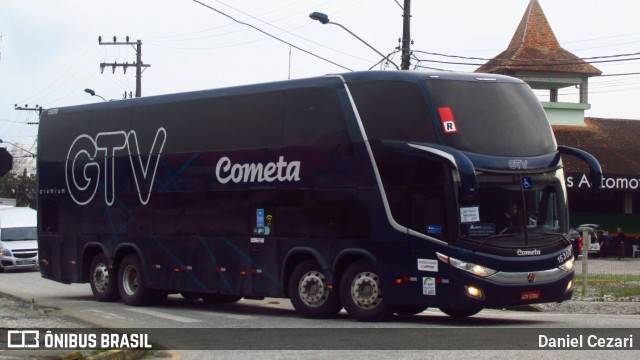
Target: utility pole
406, 36
138, 64
37, 108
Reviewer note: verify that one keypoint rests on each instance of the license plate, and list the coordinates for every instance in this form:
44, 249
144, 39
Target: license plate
530, 295
25, 262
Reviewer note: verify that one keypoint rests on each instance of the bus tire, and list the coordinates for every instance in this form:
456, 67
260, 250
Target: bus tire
220, 298
103, 280
460, 313
131, 284
361, 294
309, 292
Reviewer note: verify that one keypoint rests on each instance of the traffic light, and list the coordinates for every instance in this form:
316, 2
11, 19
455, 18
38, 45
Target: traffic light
6, 162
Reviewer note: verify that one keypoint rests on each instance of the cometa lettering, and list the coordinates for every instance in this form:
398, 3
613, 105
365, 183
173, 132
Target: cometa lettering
533, 252
282, 171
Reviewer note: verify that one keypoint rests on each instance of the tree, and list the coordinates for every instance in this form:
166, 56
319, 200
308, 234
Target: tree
19, 187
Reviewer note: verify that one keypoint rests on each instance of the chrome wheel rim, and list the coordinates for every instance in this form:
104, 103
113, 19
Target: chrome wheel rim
100, 277
312, 289
130, 280
365, 290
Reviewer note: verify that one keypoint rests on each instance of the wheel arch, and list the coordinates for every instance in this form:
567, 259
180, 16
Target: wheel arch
90, 251
349, 256
125, 249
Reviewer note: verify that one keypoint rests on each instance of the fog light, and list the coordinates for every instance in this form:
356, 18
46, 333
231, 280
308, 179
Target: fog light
474, 292
569, 286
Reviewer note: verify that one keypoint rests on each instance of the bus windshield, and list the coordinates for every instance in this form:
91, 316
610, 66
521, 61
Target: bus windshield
19, 233
516, 210
493, 118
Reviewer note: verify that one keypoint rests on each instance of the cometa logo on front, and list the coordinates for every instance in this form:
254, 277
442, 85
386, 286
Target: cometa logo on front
532, 252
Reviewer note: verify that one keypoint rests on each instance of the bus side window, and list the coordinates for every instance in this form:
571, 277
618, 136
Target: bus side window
415, 188
393, 110
49, 216
314, 117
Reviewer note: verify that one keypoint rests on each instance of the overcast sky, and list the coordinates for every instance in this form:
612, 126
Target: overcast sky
49, 51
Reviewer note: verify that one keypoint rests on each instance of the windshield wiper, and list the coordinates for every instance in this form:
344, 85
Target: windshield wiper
491, 237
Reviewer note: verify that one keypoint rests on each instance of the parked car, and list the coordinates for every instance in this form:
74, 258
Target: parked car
18, 238
594, 246
576, 242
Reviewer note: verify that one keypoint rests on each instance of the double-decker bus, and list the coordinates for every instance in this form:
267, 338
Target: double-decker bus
377, 192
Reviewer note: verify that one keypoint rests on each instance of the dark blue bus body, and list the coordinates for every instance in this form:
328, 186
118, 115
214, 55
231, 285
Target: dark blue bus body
379, 192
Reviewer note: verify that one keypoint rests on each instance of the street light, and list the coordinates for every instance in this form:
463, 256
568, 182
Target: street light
18, 146
93, 93
324, 19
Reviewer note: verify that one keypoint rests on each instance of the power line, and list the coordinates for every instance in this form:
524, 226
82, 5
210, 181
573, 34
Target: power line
286, 31
266, 33
523, 60
622, 74
528, 62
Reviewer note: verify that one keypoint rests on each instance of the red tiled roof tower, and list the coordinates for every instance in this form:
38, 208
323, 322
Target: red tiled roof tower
534, 48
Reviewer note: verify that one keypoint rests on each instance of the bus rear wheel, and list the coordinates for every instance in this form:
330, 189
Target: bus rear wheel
103, 280
131, 284
309, 292
361, 293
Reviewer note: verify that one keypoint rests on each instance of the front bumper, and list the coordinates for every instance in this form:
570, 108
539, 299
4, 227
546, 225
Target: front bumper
14, 263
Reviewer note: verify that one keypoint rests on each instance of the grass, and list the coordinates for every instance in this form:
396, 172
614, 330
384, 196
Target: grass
618, 286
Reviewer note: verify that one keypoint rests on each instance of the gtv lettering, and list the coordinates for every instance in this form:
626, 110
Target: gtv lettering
518, 164
83, 171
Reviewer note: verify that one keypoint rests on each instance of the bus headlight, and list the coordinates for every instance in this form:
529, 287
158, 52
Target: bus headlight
568, 265
475, 269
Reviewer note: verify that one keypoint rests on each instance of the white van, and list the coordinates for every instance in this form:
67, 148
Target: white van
18, 238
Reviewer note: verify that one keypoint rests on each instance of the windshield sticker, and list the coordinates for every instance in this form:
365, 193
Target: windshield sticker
527, 183
428, 286
480, 229
434, 229
448, 122
470, 214
428, 265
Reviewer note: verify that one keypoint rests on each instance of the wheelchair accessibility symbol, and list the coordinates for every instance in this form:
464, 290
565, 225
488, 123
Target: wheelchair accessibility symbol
527, 183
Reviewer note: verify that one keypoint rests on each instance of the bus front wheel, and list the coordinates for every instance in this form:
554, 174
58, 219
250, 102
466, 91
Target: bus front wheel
361, 293
309, 292
131, 284
103, 279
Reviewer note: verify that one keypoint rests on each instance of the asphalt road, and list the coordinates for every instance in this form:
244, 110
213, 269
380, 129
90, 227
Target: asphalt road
270, 328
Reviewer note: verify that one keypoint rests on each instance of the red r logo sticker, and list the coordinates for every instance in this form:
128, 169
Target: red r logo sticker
448, 122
